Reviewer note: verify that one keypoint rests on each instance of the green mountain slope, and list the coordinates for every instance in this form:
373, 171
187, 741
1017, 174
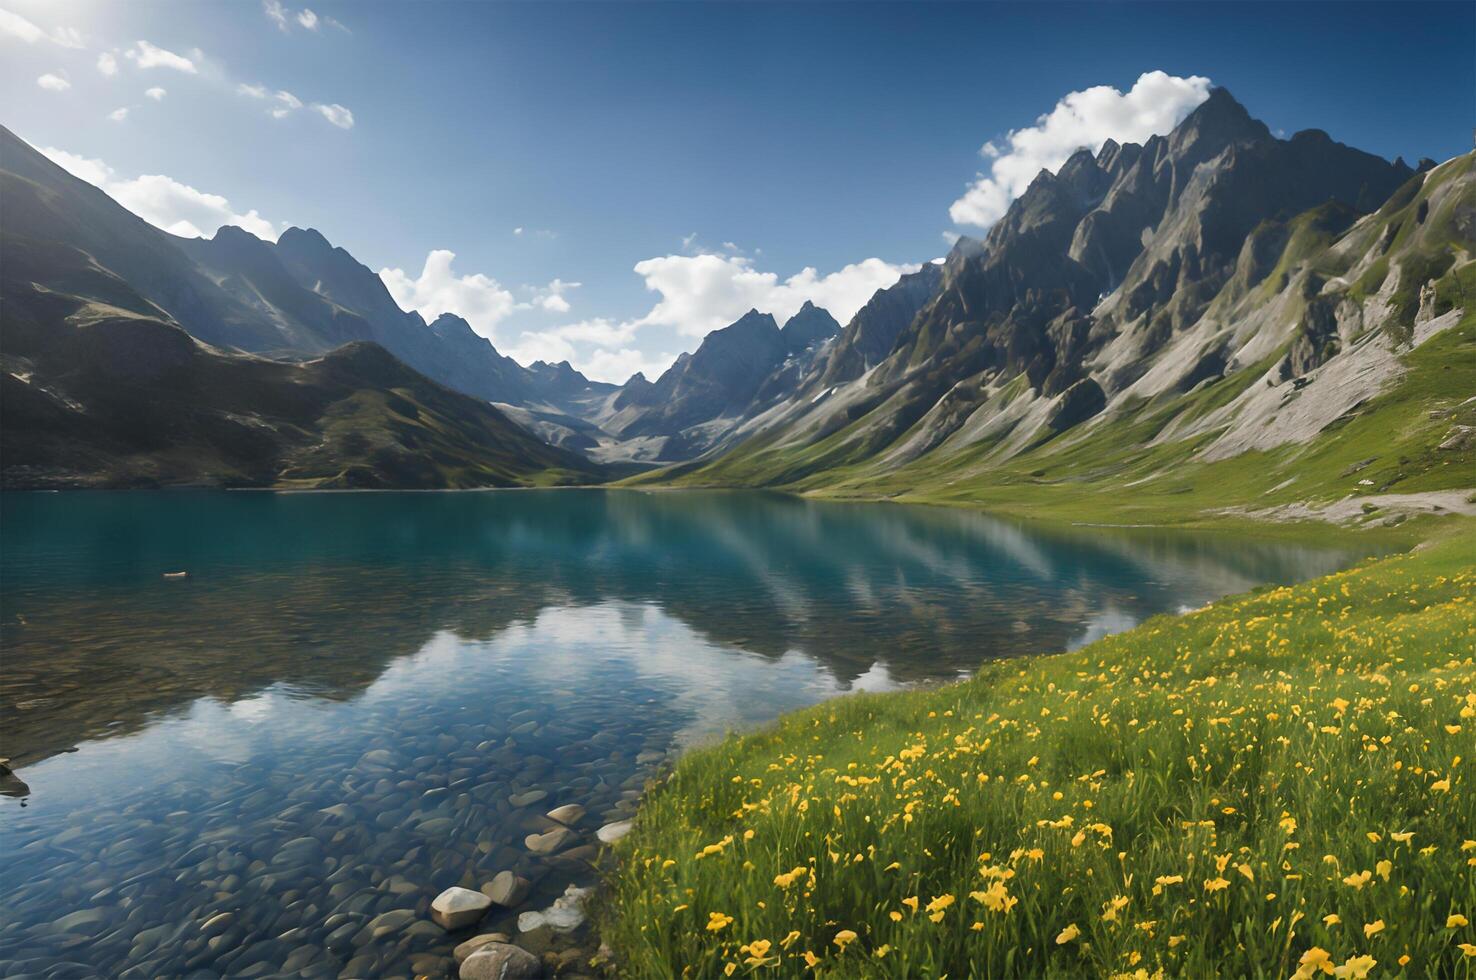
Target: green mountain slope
1332, 353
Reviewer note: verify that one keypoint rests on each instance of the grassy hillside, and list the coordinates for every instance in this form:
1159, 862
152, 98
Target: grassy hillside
1280, 784
1118, 475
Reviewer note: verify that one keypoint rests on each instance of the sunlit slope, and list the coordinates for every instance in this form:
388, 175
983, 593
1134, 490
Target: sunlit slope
1279, 781
1352, 371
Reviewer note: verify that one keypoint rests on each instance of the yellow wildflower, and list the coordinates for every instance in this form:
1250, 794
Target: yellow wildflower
1455, 921
1067, 934
1356, 967
844, 938
1373, 928
717, 921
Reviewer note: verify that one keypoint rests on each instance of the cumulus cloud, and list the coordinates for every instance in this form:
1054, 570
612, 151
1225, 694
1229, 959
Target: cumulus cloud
107, 63
119, 114
156, 93
147, 55
308, 19
698, 294
336, 114
15, 26
1155, 104
163, 201
551, 297
604, 363
479, 300
53, 83
702, 293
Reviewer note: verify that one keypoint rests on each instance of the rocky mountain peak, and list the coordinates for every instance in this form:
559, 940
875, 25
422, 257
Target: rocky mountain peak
812, 325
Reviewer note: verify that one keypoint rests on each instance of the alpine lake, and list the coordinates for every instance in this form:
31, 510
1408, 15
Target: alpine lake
272, 764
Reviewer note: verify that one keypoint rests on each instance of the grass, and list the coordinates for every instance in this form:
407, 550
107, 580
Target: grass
1279, 784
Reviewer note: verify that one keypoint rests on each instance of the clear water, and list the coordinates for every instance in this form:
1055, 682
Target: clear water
323, 722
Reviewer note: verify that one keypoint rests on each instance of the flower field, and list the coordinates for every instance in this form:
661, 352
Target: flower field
1279, 785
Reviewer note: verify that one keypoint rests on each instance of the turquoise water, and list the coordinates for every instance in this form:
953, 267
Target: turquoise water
321, 724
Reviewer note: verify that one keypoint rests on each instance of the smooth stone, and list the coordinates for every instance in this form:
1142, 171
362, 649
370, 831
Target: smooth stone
550, 843
475, 943
507, 889
569, 814
388, 922
612, 832
527, 799
218, 923
500, 961
458, 908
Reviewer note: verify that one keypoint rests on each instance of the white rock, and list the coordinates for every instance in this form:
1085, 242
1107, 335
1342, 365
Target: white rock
457, 908
612, 832
569, 814
565, 915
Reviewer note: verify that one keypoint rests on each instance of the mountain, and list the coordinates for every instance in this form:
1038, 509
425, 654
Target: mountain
298, 297
735, 373
1214, 300
104, 394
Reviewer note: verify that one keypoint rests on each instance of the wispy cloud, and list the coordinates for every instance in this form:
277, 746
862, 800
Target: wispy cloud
15, 26
336, 114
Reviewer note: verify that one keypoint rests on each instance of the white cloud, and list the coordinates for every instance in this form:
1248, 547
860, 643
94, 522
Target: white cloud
16, 26
616, 366
702, 293
336, 114
156, 93
607, 362
1155, 104
479, 300
107, 63
308, 19
119, 114
163, 201
146, 55
551, 297
252, 91
518, 231
53, 83
276, 13
288, 100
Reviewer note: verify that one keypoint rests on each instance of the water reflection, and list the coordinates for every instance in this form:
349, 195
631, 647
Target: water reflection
332, 717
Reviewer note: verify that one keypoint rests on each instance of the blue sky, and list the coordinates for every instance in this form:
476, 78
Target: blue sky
723, 148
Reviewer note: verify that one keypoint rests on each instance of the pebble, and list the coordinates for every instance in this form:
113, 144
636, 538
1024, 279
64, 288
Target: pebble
550, 843
500, 961
463, 950
569, 814
457, 908
507, 889
521, 800
612, 832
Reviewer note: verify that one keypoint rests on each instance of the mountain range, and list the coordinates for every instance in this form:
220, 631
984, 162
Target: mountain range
1214, 298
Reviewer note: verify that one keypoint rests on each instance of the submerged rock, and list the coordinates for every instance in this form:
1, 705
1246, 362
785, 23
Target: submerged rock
458, 908
527, 799
466, 949
550, 843
612, 832
569, 814
507, 889
500, 961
